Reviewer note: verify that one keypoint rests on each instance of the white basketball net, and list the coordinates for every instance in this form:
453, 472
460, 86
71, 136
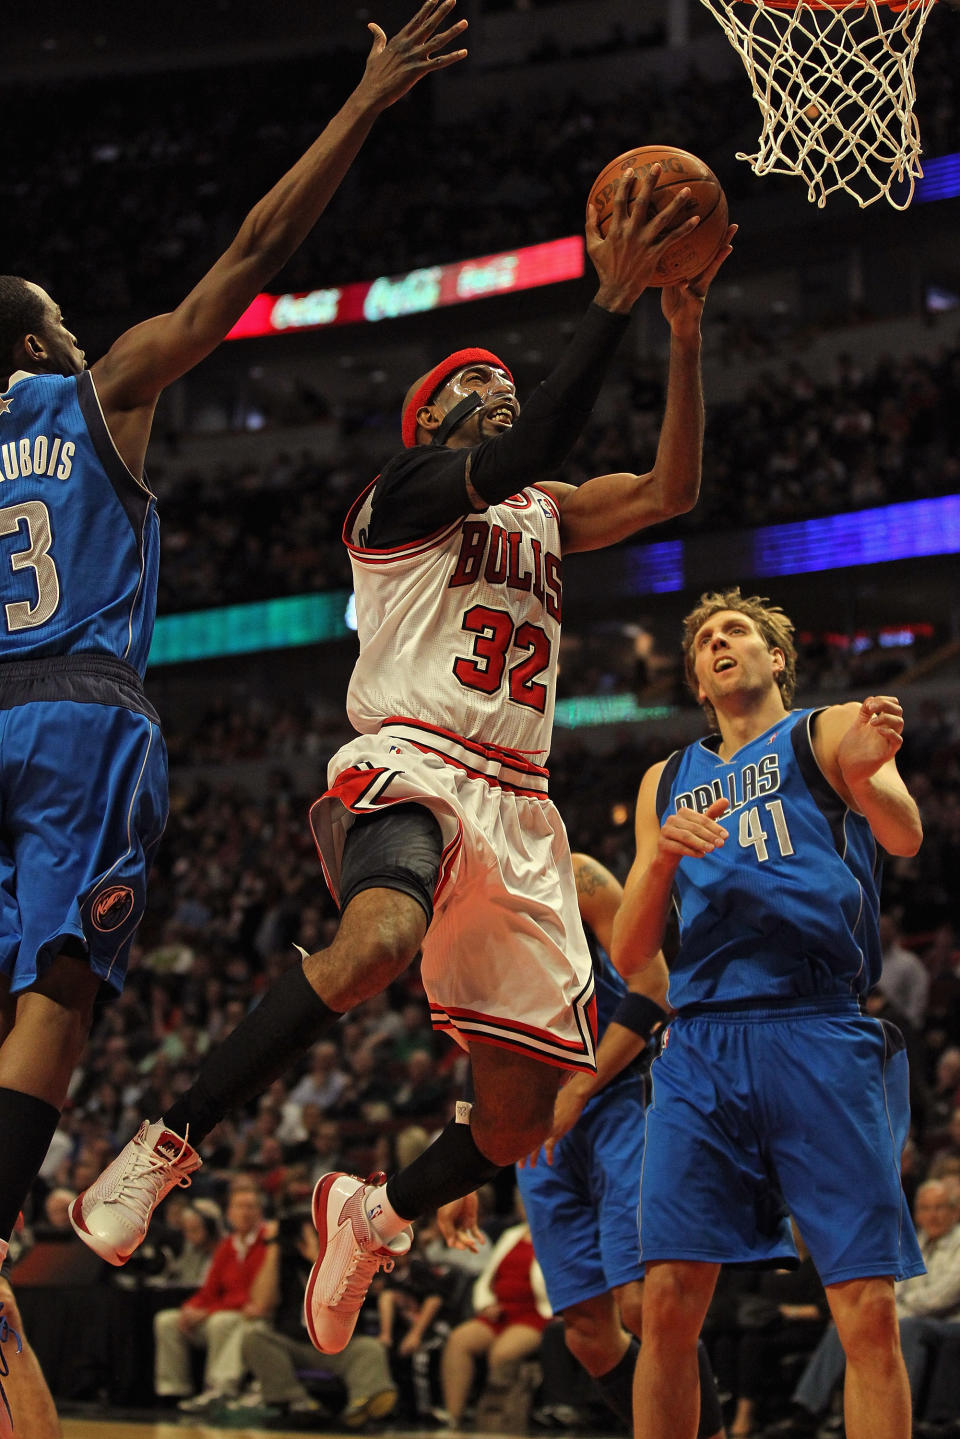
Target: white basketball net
836, 93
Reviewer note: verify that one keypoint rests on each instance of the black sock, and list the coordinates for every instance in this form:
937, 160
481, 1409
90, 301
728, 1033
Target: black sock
616, 1386
27, 1126
451, 1167
290, 1017
711, 1415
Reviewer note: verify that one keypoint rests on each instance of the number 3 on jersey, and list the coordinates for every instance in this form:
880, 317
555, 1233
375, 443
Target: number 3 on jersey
495, 636
21, 614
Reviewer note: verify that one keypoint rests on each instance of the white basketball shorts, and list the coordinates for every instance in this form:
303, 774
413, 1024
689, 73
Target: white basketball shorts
505, 960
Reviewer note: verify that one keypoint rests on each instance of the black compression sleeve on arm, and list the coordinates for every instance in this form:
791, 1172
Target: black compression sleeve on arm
419, 492
550, 422
422, 489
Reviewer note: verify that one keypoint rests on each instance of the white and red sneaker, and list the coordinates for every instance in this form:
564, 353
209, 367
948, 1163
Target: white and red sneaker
351, 1252
112, 1216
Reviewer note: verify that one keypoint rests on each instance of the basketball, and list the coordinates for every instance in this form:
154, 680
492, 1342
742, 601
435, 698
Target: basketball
689, 256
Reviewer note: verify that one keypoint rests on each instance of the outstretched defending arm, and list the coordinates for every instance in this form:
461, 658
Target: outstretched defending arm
149, 356
628, 1032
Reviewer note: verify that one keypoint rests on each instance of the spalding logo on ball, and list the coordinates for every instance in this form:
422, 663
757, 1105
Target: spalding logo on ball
690, 256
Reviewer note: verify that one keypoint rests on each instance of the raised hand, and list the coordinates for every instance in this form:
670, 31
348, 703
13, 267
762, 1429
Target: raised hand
626, 258
394, 66
682, 304
874, 738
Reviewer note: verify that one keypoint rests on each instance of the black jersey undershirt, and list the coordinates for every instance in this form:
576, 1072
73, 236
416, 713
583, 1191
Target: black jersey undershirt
422, 489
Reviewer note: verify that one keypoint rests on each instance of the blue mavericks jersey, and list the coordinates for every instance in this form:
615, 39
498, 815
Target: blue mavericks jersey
79, 536
788, 906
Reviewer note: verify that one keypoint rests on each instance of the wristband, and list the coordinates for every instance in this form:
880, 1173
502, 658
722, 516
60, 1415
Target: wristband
637, 1012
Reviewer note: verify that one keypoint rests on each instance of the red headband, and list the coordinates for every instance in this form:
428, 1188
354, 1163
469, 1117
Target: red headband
435, 381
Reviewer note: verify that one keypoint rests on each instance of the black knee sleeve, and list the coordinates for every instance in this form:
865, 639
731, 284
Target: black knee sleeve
400, 848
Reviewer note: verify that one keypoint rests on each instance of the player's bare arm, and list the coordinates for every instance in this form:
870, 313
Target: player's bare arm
610, 508
598, 895
618, 1048
151, 355
642, 917
856, 746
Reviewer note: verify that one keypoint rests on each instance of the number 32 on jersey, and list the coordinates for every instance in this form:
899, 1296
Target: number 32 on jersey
496, 640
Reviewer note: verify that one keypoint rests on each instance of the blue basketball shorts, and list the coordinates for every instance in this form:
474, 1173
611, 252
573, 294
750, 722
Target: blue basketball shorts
582, 1209
796, 1110
83, 803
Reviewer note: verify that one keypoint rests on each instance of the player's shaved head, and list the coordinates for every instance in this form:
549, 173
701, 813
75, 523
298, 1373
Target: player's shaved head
21, 313
417, 384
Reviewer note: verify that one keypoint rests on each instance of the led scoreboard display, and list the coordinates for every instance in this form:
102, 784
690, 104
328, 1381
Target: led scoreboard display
430, 288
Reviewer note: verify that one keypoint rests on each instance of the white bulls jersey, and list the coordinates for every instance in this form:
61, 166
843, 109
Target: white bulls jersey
460, 629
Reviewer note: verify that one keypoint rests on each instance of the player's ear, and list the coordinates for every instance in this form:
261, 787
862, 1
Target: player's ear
779, 661
34, 348
429, 417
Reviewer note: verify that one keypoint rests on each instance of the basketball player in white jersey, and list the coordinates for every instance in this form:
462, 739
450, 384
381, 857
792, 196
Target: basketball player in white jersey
437, 831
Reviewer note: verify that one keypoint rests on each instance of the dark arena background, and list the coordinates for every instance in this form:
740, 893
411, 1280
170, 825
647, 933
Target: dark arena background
135, 139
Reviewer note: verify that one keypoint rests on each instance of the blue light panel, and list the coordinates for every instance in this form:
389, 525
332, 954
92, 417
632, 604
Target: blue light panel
941, 179
656, 569
863, 537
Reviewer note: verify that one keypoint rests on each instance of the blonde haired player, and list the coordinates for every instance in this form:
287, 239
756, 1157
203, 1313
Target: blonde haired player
773, 1095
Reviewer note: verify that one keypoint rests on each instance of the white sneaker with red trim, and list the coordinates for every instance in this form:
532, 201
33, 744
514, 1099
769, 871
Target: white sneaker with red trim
351, 1252
112, 1216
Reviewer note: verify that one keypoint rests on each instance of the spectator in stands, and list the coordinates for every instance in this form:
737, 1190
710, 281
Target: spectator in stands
946, 1148
324, 1144
942, 959
273, 1352
946, 1093
781, 1312
55, 1223
422, 1093
324, 1082
213, 1318
941, 1408
510, 1313
250, 1148
416, 1304
201, 1231
903, 976
922, 1303
369, 1084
